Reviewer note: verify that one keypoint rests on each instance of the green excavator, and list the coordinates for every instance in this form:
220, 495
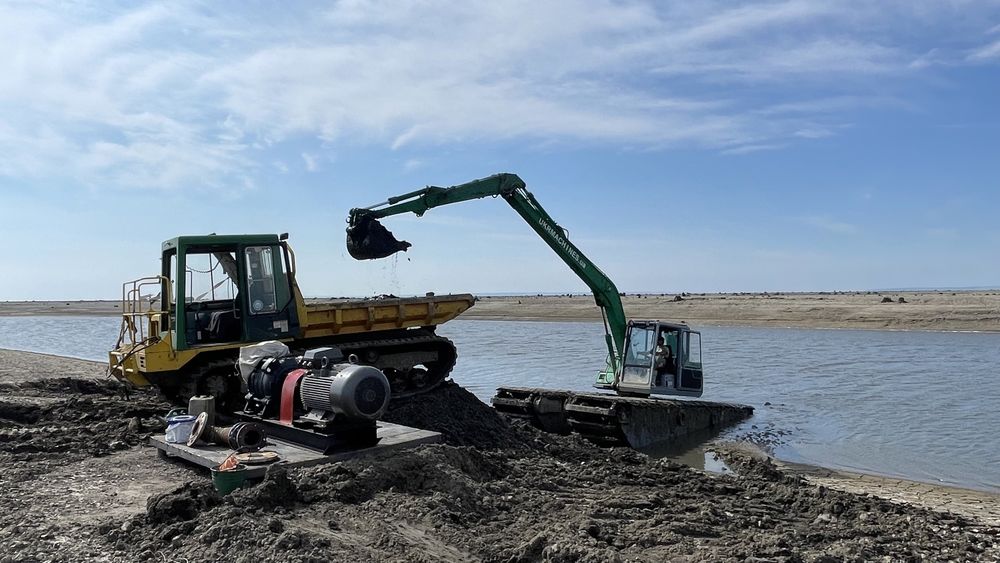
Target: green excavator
645, 357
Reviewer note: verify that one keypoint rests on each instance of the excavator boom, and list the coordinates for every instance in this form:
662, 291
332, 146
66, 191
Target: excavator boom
625, 418
368, 239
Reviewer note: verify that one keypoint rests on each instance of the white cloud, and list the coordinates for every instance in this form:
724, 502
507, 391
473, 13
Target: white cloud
111, 107
312, 163
830, 105
813, 133
986, 52
412, 164
927, 59
752, 148
177, 95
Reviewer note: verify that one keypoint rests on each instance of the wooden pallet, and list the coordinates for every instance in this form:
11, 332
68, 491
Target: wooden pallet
391, 437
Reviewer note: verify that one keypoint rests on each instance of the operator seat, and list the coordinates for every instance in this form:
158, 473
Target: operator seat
223, 326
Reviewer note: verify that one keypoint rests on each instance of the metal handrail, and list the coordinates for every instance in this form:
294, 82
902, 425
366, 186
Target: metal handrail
137, 319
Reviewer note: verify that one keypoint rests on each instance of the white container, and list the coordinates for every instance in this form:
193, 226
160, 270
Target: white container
179, 428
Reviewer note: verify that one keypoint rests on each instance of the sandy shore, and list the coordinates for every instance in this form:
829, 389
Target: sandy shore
78, 485
972, 311
100, 308
924, 310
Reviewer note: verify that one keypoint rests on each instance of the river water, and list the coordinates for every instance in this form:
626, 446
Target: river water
919, 405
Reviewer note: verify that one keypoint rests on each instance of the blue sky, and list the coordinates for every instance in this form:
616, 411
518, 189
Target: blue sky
687, 146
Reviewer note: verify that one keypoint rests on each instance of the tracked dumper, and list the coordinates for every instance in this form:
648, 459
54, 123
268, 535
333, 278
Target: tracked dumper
182, 332
644, 357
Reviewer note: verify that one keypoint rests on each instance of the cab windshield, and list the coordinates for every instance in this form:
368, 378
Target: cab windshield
639, 351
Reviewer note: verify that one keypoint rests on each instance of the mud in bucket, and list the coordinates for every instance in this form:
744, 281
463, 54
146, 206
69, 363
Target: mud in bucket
228, 480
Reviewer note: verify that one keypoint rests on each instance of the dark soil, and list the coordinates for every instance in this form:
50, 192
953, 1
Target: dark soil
493, 491
460, 417
62, 420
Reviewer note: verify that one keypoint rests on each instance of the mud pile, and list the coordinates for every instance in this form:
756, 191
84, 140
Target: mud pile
460, 417
542, 497
458, 503
493, 491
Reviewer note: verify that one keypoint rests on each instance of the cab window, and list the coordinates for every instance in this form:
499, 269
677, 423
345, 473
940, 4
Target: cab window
260, 280
210, 276
692, 357
640, 347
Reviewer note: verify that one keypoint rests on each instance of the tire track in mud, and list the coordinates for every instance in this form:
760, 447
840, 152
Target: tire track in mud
67, 448
66, 419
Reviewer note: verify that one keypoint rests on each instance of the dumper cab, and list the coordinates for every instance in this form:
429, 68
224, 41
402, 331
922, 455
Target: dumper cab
235, 288
214, 293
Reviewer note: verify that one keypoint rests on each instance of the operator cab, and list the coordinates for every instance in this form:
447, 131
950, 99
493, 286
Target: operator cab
234, 288
661, 359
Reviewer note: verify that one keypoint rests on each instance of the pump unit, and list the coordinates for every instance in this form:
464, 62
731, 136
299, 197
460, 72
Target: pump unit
319, 399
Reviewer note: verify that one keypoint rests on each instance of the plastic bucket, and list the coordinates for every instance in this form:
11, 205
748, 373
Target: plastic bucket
179, 428
226, 482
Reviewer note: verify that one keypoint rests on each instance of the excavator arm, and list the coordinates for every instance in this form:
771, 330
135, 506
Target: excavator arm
368, 239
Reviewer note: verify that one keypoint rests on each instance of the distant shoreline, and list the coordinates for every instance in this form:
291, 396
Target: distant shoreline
966, 311
958, 310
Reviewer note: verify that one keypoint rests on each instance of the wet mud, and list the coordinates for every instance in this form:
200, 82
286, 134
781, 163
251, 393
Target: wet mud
493, 491
57, 421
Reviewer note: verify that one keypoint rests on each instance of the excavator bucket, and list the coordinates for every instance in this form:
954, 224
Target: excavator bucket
367, 239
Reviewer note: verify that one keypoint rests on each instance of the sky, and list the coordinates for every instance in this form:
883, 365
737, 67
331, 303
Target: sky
685, 146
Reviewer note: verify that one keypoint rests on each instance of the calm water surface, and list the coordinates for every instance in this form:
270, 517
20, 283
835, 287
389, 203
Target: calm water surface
920, 405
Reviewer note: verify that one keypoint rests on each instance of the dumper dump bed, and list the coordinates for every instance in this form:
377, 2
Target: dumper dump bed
350, 316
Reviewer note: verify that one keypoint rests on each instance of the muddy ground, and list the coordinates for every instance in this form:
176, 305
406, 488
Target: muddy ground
78, 485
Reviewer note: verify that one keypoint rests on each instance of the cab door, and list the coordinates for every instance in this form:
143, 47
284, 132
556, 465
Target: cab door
690, 381
637, 367
269, 309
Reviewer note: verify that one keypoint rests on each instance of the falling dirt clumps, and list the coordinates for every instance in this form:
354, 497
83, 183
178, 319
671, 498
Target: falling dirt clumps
492, 491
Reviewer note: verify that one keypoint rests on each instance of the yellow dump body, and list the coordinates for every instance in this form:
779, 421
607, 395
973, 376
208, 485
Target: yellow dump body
337, 317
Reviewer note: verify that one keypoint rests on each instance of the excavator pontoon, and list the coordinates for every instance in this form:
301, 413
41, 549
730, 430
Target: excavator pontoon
645, 357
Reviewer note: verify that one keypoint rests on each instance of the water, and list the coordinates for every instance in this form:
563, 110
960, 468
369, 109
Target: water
919, 405
85, 337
